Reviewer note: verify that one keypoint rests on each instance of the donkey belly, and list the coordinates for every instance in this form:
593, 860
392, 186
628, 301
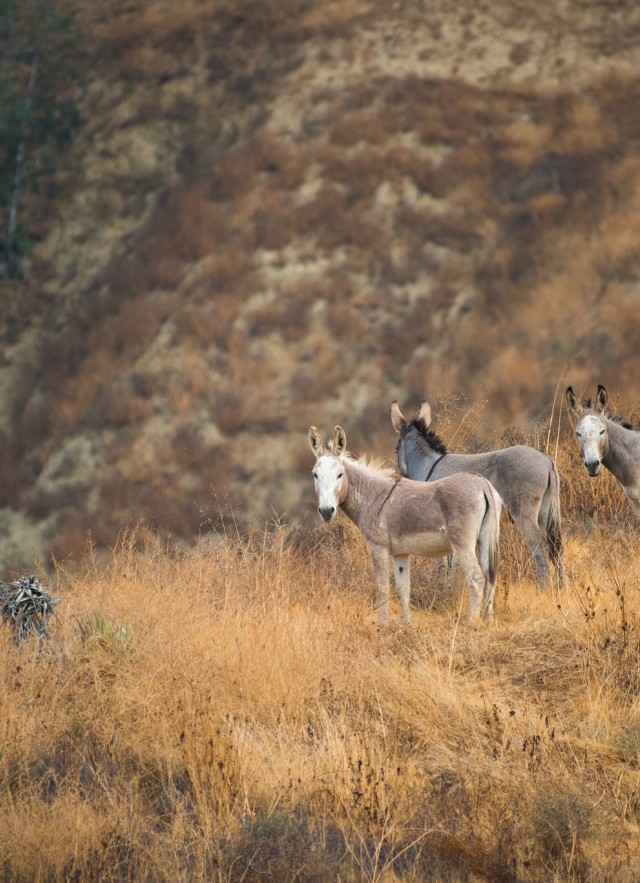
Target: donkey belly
431, 544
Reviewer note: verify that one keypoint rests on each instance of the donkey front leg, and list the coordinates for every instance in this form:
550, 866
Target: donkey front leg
402, 576
380, 559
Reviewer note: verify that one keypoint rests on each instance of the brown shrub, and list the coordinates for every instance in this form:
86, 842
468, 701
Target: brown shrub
336, 287
274, 222
286, 315
362, 225
362, 124
344, 323
322, 210
423, 172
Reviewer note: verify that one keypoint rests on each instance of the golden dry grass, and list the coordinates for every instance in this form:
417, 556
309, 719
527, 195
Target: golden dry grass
233, 713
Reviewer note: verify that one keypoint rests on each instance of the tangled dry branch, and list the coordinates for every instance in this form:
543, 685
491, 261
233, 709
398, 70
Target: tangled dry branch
26, 607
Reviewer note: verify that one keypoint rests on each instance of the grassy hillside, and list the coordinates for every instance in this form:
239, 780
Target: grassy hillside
278, 214
231, 712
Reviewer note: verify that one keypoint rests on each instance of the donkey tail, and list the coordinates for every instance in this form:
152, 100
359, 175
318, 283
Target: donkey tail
489, 536
553, 528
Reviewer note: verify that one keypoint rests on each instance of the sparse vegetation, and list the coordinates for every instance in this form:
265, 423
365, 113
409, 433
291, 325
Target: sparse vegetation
231, 712
273, 235
284, 213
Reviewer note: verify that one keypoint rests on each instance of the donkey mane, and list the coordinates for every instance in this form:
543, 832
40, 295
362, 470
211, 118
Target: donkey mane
434, 441
375, 464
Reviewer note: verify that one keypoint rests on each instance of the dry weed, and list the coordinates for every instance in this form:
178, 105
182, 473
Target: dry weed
233, 709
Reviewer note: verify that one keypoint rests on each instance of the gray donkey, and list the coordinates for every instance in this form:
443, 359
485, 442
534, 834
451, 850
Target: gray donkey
525, 478
605, 440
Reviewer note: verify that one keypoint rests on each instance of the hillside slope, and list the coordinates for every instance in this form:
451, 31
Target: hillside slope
279, 214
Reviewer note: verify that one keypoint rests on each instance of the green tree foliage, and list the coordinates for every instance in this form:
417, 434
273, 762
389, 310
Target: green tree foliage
39, 85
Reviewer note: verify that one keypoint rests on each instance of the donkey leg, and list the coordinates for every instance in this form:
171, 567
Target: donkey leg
380, 559
484, 553
487, 599
402, 576
534, 539
475, 581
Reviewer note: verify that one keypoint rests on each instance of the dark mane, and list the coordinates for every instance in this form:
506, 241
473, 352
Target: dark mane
434, 441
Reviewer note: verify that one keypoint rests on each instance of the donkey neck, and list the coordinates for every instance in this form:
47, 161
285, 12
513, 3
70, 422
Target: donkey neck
623, 455
420, 458
367, 493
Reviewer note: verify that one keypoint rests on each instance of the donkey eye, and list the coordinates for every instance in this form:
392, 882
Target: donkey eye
578, 434
340, 474
602, 432
315, 474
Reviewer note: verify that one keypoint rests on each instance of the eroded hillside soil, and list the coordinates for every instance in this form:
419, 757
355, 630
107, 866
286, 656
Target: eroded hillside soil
279, 214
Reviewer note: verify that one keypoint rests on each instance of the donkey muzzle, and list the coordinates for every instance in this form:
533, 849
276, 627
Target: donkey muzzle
593, 467
327, 512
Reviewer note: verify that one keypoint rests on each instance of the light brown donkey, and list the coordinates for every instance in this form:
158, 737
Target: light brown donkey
399, 517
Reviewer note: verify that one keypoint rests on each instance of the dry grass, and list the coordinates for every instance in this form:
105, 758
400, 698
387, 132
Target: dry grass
232, 713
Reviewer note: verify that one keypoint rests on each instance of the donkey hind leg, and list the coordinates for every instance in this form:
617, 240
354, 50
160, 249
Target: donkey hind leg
475, 581
527, 521
402, 576
488, 572
380, 559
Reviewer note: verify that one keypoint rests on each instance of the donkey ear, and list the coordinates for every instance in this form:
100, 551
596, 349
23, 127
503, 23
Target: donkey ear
315, 441
601, 398
575, 405
425, 413
397, 419
339, 441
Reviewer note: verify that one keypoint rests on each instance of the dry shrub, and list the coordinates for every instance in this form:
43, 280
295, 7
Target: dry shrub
525, 140
364, 172
324, 209
332, 17
360, 226
453, 229
191, 224
238, 409
274, 223
547, 208
344, 323
187, 445
362, 124
281, 162
202, 327
585, 128
309, 386
155, 22
232, 176
336, 287
238, 700
411, 164
287, 316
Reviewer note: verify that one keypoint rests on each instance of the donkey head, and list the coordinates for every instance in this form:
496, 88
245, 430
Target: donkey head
402, 427
591, 428
328, 473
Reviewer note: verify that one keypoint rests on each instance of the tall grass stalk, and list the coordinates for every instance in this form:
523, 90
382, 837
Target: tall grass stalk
231, 712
